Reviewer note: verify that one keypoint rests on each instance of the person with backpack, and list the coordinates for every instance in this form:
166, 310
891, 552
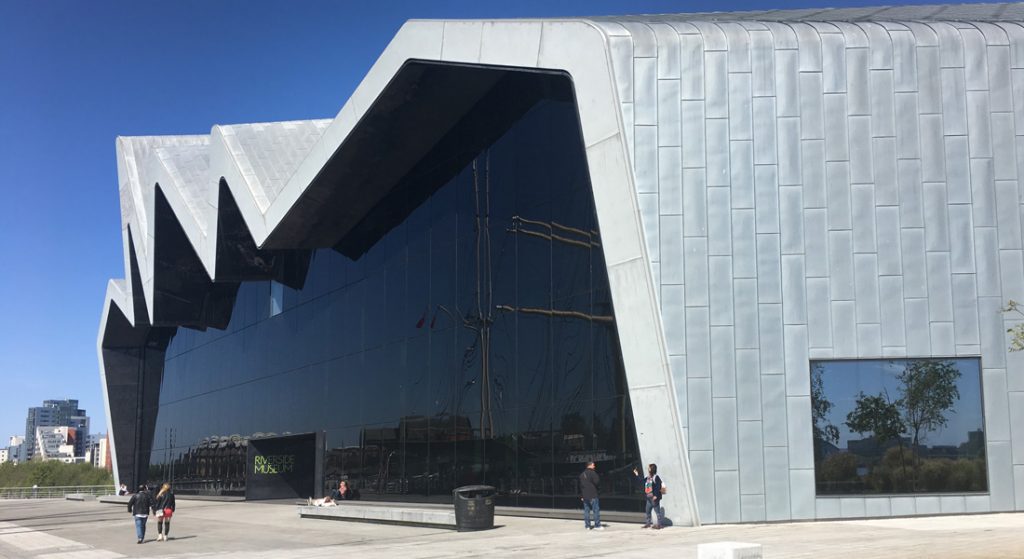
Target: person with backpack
139, 506
164, 510
589, 484
653, 491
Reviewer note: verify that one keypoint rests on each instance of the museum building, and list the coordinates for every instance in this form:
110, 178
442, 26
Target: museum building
768, 251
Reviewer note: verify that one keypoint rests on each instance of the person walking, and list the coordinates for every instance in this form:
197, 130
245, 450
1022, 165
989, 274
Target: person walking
164, 509
653, 490
589, 485
139, 506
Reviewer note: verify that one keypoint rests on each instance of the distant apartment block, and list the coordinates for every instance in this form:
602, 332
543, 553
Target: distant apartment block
56, 413
16, 449
98, 451
56, 443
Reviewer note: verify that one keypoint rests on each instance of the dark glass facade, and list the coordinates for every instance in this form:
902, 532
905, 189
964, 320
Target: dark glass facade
890, 426
474, 342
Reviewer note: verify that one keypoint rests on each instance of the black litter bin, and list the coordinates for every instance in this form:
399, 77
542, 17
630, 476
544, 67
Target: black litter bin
474, 507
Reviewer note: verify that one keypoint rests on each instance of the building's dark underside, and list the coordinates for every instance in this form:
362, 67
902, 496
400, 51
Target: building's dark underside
436, 304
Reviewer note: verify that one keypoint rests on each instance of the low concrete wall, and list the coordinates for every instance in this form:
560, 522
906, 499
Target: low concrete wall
384, 514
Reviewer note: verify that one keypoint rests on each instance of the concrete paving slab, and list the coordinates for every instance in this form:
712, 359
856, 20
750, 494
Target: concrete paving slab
236, 530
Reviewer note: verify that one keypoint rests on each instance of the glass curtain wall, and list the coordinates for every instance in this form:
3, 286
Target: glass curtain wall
473, 343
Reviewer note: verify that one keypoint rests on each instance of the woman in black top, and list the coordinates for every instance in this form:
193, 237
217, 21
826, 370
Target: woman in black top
164, 509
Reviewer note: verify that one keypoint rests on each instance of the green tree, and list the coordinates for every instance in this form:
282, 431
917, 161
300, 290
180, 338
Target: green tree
822, 430
840, 467
881, 417
1017, 331
928, 391
49, 474
876, 415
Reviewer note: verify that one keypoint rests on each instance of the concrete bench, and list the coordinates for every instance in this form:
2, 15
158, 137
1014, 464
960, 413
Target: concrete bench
729, 550
115, 499
79, 497
383, 514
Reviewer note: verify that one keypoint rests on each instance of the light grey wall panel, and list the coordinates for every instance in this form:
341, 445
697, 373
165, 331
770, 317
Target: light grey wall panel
770, 335
791, 219
673, 297
752, 508
928, 505
827, 508
700, 418
721, 296
863, 209
702, 463
1000, 472
865, 272
671, 249
801, 483
997, 410
1016, 409
719, 221
745, 311
670, 180
717, 145
696, 273
794, 291
891, 307
952, 504
698, 343
801, 448
723, 362
776, 483
751, 457
940, 289
890, 261
883, 154
741, 153
727, 496
911, 193
1018, 484
725, 435
740, 115
748, 386
879, 506
769, 269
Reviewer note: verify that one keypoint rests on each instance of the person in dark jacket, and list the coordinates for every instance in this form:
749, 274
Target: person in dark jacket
652, 494
139, 506
590, 484
342, 493
163, 507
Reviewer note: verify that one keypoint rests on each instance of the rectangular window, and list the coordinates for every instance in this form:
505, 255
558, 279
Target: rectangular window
276, 298
888, 426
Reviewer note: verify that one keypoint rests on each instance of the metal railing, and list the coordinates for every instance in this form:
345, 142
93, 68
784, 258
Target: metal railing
54, 492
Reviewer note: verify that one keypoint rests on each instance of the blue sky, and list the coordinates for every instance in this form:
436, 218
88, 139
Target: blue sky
74, 75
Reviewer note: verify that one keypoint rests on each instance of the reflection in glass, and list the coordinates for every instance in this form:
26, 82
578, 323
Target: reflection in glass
474, 342
898, 426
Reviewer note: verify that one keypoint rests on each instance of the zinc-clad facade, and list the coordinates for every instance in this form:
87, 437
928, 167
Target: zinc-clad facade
817, 189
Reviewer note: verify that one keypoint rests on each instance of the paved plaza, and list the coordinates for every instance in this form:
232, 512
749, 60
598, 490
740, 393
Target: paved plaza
93, 530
